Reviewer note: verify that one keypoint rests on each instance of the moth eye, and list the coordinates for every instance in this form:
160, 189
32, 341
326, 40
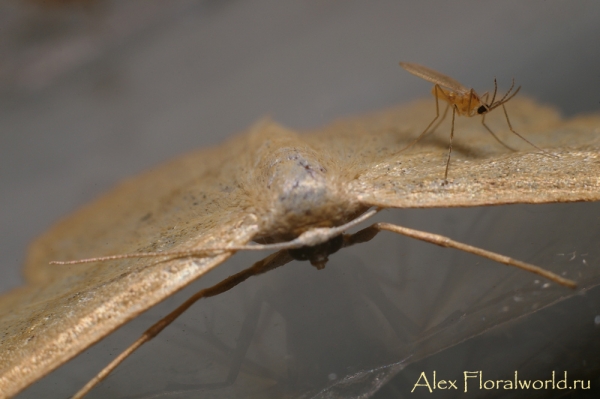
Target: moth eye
482, 109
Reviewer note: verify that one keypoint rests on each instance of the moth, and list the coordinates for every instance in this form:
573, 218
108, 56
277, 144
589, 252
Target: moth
268, 189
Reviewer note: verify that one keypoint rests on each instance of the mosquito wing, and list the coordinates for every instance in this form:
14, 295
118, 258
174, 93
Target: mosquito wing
434, 77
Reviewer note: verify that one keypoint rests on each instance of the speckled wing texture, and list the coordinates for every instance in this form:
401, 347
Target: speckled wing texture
482, 172
189, 203
270, 184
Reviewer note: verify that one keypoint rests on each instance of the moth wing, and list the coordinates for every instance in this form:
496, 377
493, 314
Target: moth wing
193, 202
482, 172
190, 203
434, 77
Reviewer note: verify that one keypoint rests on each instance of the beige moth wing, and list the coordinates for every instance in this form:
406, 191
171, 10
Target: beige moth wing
255, 187
102, 296
487, 174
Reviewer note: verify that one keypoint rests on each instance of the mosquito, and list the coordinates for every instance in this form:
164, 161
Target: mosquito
464, 102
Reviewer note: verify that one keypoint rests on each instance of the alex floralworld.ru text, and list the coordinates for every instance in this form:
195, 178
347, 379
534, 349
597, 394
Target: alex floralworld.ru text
473, 380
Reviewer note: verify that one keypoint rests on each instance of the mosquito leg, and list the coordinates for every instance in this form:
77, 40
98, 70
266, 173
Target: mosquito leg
437, 115
471, 94
523, 138
269, 263
433, 129
450, 147
494, 135
485, 97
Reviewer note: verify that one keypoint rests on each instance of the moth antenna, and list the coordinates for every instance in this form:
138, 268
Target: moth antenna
174, 254
308, 238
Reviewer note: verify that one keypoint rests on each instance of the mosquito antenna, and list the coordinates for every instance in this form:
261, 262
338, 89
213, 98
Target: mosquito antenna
494, 95
505, 99
512, 95
437, 115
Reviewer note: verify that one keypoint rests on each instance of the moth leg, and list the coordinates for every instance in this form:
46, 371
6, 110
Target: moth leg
267, 302
437, 115
236, 354
267, 299
269, 263
371, 231
399, 321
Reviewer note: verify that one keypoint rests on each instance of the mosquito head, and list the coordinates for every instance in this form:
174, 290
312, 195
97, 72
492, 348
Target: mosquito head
483, 109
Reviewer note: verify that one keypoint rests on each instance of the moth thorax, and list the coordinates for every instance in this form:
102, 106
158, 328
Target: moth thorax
300, 192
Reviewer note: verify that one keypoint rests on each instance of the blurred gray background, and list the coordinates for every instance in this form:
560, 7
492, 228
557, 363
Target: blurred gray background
93, 92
